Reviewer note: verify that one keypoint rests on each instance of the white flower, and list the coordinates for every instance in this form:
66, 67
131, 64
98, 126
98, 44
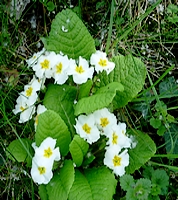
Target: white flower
47, 150
104, 119
40, 109
117, 138
41, 170
60, 69
100, 61
33, 60
44, 66
80, 72
85, 127
30, 91
42, 162
21, 104
27, 114
26, 111
116, 162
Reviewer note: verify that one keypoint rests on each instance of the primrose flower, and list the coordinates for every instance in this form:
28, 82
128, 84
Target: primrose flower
117, 138
26, 111
43, 68
40, 109
30, 91
47, 150
100, 61
85, 127
41, 170
60, 69
116, 162
80, 72
104, 119
34, 59
27, 114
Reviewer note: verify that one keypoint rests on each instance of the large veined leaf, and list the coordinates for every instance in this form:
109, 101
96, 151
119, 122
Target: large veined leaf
50, 124
93, 184
20, 150
70, 36
42, 192
143, 151
102, 98
60, 98
78, 149
61, 183
131, 73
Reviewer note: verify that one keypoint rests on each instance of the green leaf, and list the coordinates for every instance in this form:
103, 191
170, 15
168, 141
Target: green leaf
93, 184
171, 139
60, 185
50, 6
142, 189
70, 36
60, 98
160, 177
143, 151
78, 149
127, 182
161, 130
85, 89
102, 98
20, 152
155, 123
42, 192
50, 124
168, 88
131, 73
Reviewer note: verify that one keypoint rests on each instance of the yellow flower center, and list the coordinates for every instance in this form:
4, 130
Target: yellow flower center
102, 62
59, 68
29, 91
42, 170
86, 128
79, 69
117, 161
45, 64
22, 108
104, 122
114, 138
48, 152
36, 119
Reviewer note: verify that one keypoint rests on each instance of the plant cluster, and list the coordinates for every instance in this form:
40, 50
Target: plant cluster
78, 105
77, 115
154, 183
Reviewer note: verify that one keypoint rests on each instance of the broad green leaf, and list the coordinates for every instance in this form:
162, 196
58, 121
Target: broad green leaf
131, 73
20, 152
78, 149
42, 192
143, 151
93, 184
60, 98
85, 89
70, 36
102, 98
50, 124
61, 183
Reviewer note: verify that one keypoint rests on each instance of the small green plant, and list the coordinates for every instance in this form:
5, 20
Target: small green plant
154, 183
172, 11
